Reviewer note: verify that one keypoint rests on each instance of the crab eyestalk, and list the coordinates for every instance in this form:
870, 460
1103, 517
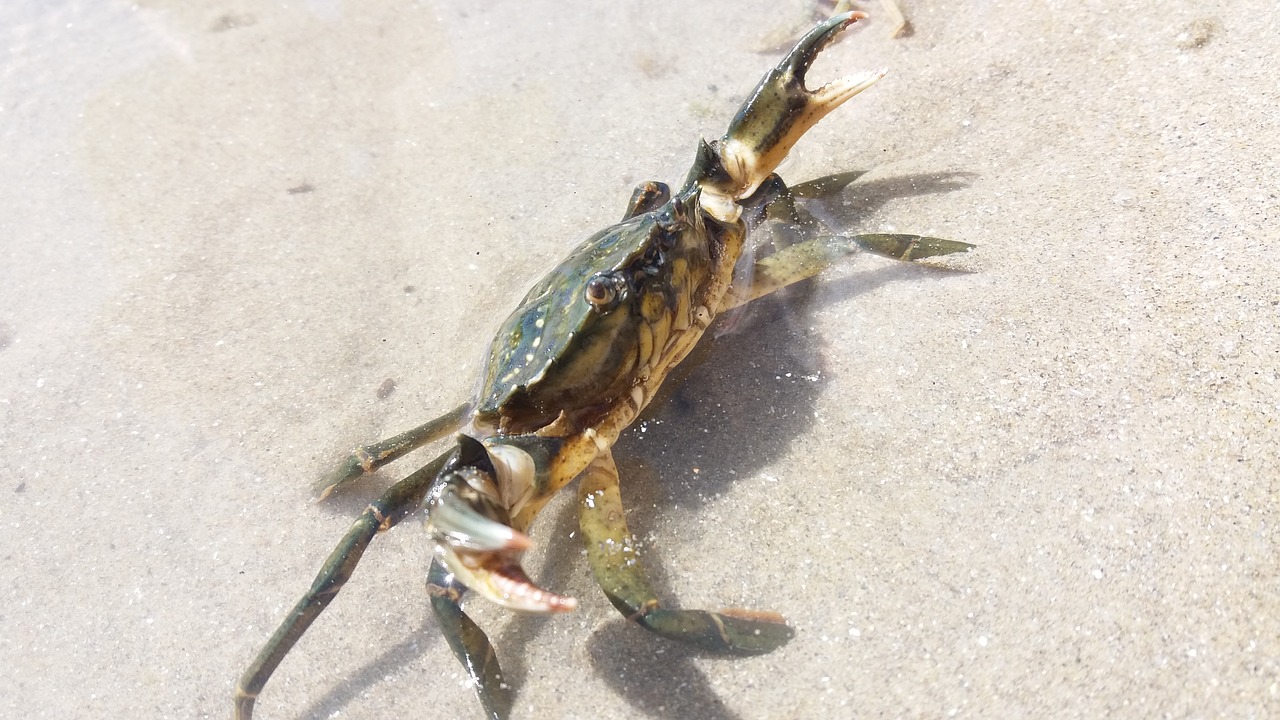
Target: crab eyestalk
471, 526
780, 110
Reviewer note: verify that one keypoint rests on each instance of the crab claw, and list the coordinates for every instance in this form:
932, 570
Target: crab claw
474, 538
780, 110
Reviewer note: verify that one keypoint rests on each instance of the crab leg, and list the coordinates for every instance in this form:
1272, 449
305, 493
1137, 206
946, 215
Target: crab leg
612, 554
468, 642
802, 261
774, 200
398, 501
906, 247
371, 457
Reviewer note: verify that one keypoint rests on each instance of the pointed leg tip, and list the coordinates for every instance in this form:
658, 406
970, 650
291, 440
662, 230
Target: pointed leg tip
767, 616
347, 472
755, 632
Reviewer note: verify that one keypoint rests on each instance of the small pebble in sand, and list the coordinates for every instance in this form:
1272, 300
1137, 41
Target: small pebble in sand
1196, 34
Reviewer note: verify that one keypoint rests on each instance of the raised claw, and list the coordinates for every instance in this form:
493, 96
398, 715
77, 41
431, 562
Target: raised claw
780, 110
474, 538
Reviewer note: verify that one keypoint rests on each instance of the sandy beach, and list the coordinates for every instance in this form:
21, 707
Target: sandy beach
239, 238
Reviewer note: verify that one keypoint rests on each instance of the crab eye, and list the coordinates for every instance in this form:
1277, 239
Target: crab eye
602, 291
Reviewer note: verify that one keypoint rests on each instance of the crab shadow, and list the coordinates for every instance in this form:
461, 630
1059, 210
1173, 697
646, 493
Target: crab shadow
658, 678
836, 194
732, 409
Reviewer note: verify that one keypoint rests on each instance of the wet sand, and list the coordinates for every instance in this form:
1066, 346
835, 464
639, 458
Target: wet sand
237, 241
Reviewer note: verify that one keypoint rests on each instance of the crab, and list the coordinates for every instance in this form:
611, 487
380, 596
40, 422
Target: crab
573, 366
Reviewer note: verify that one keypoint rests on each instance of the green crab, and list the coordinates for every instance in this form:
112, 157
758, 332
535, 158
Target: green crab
573, 366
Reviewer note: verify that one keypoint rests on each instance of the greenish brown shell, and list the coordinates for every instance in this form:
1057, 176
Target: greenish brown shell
561, 353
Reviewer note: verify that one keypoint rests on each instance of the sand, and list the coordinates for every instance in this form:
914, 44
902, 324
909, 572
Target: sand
237, 240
